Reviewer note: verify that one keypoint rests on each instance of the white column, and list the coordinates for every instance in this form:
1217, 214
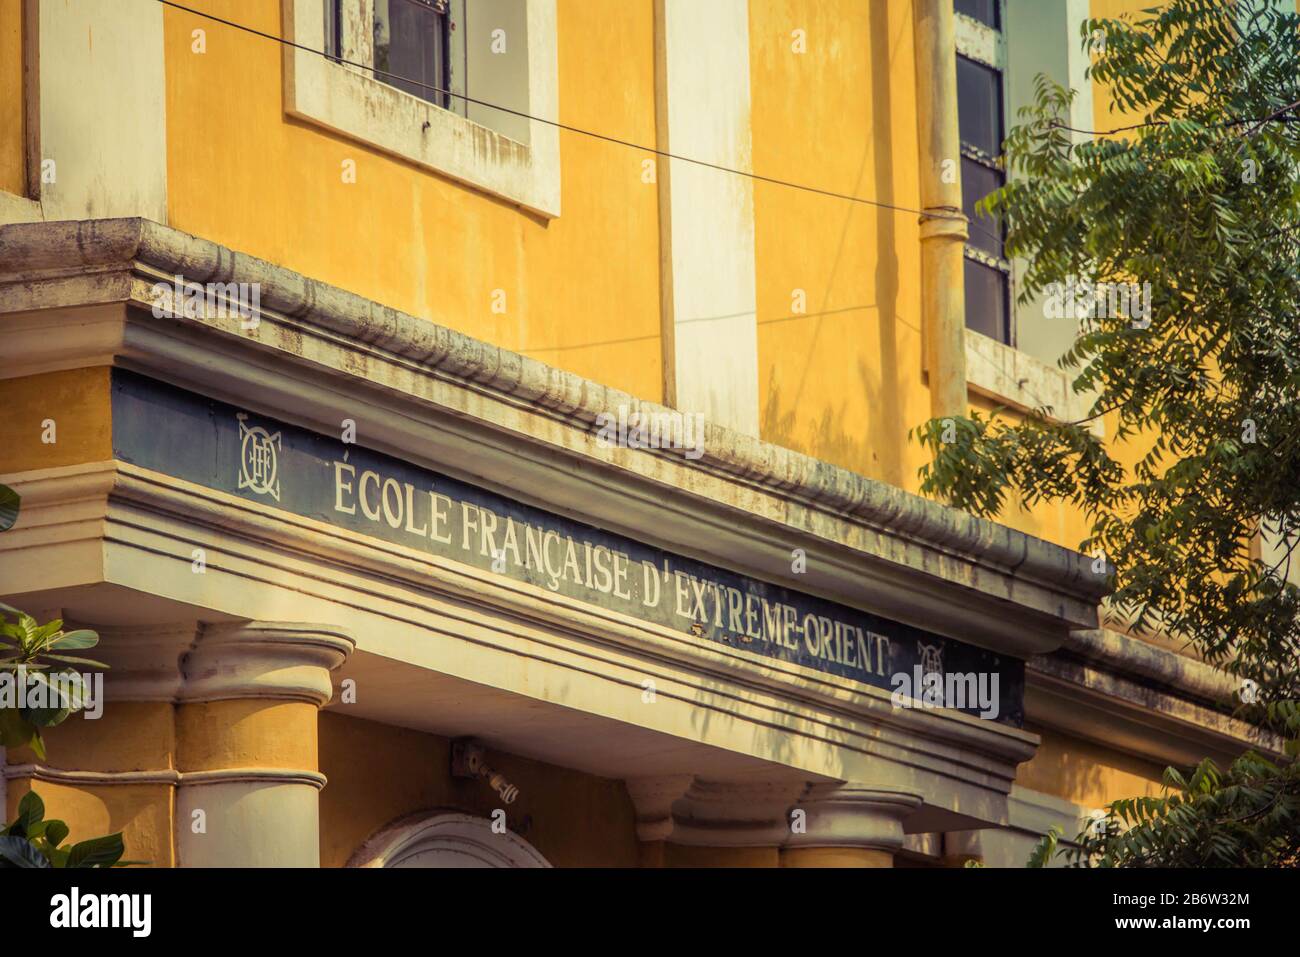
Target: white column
848, 825
246, 730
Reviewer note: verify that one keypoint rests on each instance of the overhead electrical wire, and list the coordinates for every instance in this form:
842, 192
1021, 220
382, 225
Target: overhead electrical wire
568, 128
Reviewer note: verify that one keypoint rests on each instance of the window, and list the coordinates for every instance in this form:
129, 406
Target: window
466, 88
981, 122
416, 46
413, 47
987, 12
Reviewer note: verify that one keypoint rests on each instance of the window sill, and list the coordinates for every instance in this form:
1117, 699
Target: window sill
356, 105
1018, 380
19, 209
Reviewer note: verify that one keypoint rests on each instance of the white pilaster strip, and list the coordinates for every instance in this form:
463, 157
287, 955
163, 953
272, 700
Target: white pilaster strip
707, 215
103, 117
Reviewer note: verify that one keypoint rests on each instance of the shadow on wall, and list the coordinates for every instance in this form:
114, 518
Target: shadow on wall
866, 436
831, 438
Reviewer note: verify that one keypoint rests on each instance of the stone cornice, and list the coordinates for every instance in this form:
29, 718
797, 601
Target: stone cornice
416, 370
1104, 703
379, 589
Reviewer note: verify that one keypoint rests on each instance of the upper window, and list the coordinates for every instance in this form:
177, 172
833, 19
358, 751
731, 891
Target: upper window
467, 89
413, 47
980, 120
987, 12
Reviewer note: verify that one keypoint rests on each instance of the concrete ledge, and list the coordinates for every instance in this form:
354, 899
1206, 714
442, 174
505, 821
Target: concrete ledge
1016, 379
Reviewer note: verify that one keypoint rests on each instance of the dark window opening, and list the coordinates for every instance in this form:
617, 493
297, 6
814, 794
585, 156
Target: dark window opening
333, 30
980, 125
979, 106
985, 11
412, 46
988, 300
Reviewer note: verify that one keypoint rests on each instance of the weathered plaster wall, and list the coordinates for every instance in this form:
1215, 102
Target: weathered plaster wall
581, 291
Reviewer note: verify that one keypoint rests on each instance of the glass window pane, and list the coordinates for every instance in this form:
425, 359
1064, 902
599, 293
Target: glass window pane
985, 11
977, 181
987, 307
410, 48
979, 106
333, 44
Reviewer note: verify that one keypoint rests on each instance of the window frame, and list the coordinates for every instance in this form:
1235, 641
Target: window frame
450, 15
347, 98
986, 46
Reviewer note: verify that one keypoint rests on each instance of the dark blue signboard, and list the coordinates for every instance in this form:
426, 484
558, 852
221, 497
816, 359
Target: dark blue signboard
237, 451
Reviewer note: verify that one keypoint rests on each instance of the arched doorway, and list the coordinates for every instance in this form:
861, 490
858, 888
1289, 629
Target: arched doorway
445, 839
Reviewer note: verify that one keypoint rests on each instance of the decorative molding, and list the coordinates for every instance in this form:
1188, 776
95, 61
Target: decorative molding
423, 584
72, 778
734, 813
168, 776
145, 661
841, 814
264, 660
189, 662
653, 799
1037, 812
254, 776
426, 390
444, 834
1157, 724
1136, 658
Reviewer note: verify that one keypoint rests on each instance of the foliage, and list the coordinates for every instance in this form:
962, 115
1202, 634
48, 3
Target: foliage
32, 841
39, 653
9, 501
1202, 201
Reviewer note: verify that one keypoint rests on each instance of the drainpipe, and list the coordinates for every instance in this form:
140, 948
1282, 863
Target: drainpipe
943, 228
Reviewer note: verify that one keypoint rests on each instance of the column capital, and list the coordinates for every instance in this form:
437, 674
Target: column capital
264, 659
653, 799
143, 660
845, 814
734, 813
190, 662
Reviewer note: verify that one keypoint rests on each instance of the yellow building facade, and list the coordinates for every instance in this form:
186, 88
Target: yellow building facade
319, 380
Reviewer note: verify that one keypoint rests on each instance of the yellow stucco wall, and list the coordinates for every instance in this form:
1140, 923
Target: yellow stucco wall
12, 162
379, 773
130, 736
843, 380
78, 403
581, 291
1085, 772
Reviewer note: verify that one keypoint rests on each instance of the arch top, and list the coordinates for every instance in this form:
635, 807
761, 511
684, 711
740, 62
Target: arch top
445, 839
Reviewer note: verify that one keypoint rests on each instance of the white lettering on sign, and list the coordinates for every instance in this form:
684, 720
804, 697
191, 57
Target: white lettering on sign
745, 617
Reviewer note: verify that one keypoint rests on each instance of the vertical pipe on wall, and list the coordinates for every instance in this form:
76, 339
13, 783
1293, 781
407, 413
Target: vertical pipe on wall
943, 228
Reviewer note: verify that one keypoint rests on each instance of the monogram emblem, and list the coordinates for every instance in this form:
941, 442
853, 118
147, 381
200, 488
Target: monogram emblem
931, 658
259, 465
